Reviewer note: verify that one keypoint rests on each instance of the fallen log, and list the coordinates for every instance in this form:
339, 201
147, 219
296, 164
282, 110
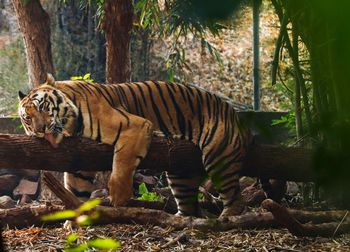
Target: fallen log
23, 152
30, 215
327, 229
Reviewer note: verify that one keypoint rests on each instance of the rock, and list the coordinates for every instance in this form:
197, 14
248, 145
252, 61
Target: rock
100, 193
27, 187
29, 174
25, 199
6, 202
244, 182
292, 188
7, 183
253, 195
140, 178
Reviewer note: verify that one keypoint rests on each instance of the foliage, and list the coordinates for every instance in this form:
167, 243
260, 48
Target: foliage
84, 215
86, 77
179, 19
146, 195
13, 75
326, 94
77, 43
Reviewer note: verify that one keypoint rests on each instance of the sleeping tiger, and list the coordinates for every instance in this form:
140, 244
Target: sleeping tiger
126, 116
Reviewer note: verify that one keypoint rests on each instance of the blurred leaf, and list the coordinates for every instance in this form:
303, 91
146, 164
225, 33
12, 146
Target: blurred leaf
100, 243
89, 205
61, 215
84, 220
71, 239
77, 248
143, 188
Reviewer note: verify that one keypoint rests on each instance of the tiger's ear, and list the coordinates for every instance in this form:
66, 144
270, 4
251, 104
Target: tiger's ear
50, 80
21, 95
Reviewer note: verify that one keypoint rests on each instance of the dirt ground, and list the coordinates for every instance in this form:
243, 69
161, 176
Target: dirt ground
153, 238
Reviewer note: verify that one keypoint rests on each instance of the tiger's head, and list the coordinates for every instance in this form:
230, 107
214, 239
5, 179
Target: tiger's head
47, 112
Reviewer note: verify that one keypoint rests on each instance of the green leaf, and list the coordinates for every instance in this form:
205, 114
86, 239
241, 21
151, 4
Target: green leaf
89, 205
71, 239
87, 76
61, 215
76, 77
78, 248
143, 189
100, 243
84, 220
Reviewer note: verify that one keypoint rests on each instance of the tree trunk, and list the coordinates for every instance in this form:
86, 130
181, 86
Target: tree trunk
34, 24
19, 152
117, 24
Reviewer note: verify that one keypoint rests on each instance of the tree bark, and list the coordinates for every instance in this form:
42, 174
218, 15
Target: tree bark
292, 219
34, 24
23, 152
285, 218
117, 24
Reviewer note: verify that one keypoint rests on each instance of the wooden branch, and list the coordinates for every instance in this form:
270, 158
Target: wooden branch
23, 152
67, 197
285, 218
27, 216
156, 217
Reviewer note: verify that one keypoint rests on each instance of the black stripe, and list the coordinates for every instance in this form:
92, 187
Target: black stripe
190, 102
74, 90
218, 150
213, 131
124, 114
179, 115
200, 118
90, 117
118, 134
82, 86
97, 88
114, 91
83, 177
183, 94
161, 94
79, 194
161, 123
142, 94
88, 86
111, 100
136, 101
190, 130
234, 186
98, 137
208, 98
190, 89
190, 197
124, 96
80, 122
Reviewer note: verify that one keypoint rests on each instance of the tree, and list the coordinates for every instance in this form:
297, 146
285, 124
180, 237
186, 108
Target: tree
322, 26
34, 24
117, 24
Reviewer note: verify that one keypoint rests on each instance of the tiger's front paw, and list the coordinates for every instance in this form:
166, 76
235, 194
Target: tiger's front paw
119, 193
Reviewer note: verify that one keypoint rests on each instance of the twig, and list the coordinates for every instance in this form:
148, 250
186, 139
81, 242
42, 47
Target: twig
174, 240
342, 220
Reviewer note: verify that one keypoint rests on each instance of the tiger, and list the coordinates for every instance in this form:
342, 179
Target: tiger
127, 116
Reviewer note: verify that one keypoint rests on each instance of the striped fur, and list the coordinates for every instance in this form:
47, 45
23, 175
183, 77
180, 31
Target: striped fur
126, 116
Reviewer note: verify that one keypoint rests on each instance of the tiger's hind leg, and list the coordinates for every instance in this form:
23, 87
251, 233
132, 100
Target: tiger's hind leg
80, 183
225, 177
185, 190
